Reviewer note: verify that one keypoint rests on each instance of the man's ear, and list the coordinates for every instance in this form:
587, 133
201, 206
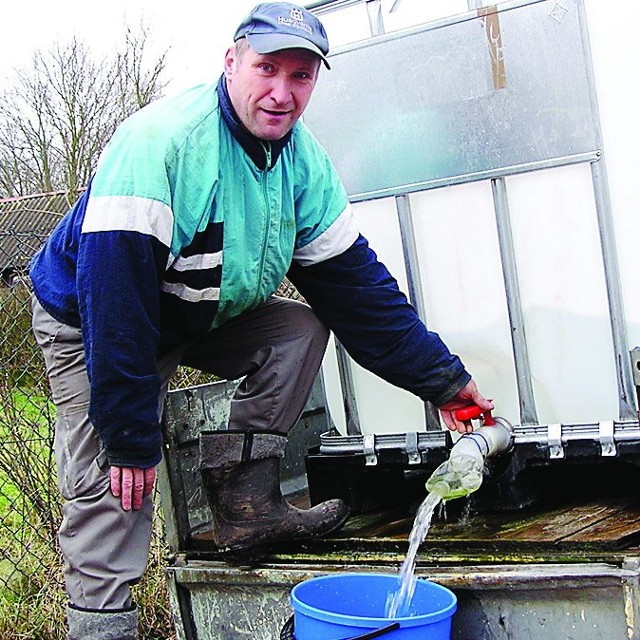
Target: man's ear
229, 62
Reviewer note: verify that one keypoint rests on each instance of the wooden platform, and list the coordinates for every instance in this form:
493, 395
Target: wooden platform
602, 530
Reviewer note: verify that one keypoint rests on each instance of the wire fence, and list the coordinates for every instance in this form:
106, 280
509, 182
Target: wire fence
32, 600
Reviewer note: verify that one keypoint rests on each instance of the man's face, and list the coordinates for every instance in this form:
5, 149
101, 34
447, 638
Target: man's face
270, 91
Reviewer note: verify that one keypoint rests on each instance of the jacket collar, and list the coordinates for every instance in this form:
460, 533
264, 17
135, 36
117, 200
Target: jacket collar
255, 148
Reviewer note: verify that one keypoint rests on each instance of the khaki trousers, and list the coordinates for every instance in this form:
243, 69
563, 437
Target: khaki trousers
276, 348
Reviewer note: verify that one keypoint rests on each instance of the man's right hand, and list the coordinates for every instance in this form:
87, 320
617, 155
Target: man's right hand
131, 485
467, 396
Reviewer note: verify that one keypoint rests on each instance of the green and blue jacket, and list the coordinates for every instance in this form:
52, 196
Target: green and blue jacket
190, 221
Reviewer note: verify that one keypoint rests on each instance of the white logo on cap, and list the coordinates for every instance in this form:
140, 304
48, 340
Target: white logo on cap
295, 21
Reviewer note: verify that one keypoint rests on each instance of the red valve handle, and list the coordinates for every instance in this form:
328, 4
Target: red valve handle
474, 411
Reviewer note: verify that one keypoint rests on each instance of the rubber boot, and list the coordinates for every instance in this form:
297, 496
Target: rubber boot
95, 624
241, 476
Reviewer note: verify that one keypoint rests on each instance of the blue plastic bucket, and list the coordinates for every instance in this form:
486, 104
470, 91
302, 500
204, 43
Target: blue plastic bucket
336, 607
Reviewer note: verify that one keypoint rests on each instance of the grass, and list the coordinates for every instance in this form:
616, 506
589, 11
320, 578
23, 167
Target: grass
32, 598
32, 602
8, 494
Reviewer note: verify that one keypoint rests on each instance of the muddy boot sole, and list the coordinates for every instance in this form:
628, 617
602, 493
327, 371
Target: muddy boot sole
248, 555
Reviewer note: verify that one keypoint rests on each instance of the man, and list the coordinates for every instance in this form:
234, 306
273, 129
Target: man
200, 205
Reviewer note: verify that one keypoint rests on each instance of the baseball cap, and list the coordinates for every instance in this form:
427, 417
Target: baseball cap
273, 26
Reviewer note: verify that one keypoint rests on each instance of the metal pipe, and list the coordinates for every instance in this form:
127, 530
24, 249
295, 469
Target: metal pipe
528, 412
635, 368
450, 181
350, 404
345, 368
410, 253
462, 473
485, 441
624, 377
325, 6
412, 268
376, 22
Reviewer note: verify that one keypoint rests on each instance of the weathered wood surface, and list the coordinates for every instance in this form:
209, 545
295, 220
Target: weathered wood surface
605, 521
598, 529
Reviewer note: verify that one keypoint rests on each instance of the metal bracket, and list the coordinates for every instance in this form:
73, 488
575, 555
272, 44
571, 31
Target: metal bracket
605, 436
635, 365
554, 438
369, 450
411, 447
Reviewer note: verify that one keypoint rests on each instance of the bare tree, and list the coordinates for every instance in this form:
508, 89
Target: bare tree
57, 117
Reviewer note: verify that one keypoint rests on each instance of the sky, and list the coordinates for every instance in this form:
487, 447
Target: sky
198, 33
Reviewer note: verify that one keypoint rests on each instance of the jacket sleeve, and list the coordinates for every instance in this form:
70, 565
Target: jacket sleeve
119, 306
354, 294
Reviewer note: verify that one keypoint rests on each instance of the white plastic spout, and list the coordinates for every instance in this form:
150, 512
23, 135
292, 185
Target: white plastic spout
485, 441
462, 473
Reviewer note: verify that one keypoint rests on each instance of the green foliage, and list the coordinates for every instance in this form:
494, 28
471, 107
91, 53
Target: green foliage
26, 457
31, 593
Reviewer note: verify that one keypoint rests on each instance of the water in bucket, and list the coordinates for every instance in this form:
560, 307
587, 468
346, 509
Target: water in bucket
350, 605
359, 604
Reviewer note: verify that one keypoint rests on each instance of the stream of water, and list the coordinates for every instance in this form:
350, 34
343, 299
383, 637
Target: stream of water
398, 603
454, 478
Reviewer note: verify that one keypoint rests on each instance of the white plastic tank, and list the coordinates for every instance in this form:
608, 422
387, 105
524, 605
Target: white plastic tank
558, 254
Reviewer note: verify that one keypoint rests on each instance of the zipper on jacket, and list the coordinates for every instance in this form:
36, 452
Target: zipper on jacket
267, 151
264, 179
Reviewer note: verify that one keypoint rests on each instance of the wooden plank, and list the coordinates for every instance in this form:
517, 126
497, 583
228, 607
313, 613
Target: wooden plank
609, 521
369, 525
397, 527
562, 523
619, 529
601, 530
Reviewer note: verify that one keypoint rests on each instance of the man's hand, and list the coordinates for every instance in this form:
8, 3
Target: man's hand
131, 485
468, 395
